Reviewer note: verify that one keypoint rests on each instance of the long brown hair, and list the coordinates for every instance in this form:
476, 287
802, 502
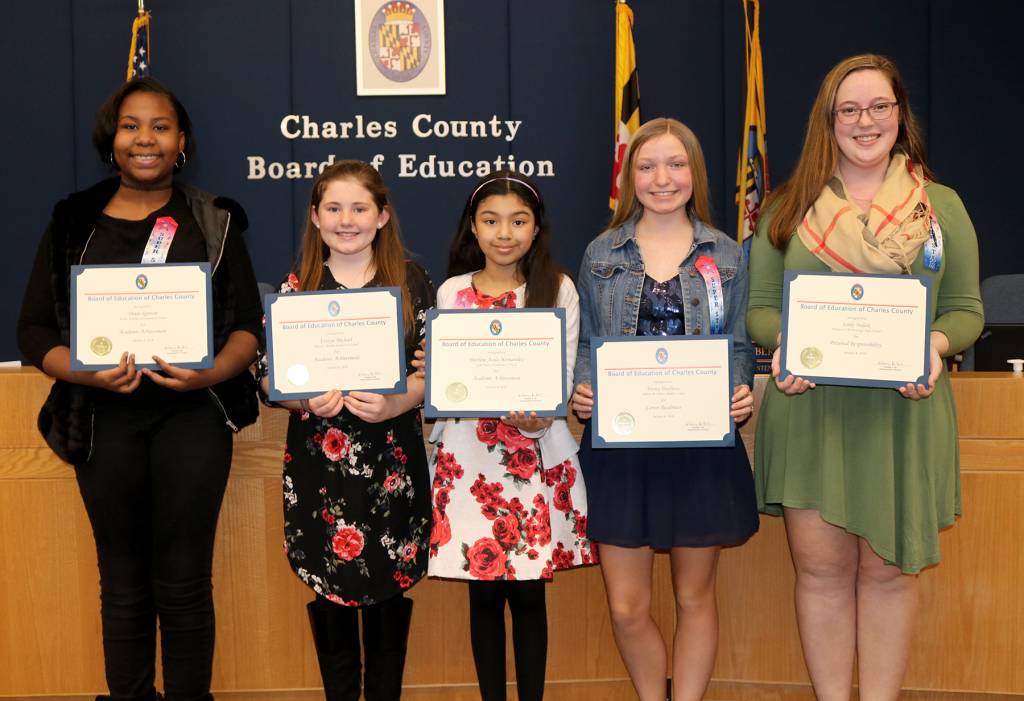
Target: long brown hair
628, 204
820, 156
388, 251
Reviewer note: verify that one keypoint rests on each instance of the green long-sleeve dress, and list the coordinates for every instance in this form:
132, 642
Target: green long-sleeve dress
879, 465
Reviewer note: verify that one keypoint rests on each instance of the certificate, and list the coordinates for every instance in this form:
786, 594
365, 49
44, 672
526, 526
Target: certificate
661, 391
335, 339
856, 329
148, 310
487, 362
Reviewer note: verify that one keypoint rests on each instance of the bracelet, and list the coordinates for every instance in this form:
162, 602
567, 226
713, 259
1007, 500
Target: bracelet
304, 404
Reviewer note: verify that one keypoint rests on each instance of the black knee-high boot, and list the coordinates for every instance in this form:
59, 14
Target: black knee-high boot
336, 637
385, 638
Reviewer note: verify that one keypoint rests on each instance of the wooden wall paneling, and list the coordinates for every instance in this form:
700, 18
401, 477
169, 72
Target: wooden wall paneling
24, 392
989, 404
758, 639
439, 651
968, 635
50, 636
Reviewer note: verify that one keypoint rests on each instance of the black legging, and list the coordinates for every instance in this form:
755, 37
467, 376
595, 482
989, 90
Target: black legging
529, 636
153, 489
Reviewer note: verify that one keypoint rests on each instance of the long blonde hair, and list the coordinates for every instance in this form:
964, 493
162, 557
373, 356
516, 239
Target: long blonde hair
628, 204
820, 156
388, 251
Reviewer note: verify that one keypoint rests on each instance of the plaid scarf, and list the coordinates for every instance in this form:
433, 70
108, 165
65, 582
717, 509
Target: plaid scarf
885, 239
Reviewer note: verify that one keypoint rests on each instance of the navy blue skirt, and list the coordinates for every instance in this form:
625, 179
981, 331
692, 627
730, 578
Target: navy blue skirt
668, 497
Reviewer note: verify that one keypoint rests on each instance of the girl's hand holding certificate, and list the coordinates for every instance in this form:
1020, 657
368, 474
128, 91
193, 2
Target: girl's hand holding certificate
742, 403
939, 345
327, 405
527, 422
583, 401
372, 407
792, 384
123, 379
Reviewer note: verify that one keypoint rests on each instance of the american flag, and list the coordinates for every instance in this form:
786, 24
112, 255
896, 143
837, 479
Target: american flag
139, 57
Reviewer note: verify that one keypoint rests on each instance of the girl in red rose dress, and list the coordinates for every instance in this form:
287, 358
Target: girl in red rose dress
509, 501
356, 484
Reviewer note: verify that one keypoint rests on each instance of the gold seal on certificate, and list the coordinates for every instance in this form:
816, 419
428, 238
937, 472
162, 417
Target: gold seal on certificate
335, 339
100, 345
486, 362
456, 392
657, 391
856, 329
810, 357
149, 310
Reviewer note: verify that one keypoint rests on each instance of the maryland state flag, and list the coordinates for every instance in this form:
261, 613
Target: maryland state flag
752, 173
138, 57
627, 92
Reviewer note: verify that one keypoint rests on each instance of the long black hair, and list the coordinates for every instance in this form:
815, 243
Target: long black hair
541, 272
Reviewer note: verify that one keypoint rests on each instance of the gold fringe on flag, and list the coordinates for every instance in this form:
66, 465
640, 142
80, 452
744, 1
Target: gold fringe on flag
139, 53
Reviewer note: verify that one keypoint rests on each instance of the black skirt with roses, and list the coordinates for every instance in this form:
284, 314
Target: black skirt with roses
356, 505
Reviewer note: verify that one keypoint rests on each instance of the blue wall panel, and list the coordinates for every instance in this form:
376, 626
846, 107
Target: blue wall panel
39, 152
241, 67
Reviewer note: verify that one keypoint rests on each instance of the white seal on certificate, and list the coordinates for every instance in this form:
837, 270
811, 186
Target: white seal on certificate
624, 424
456, 392
298, 374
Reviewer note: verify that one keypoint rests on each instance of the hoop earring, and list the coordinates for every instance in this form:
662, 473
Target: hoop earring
110, 158
182, 158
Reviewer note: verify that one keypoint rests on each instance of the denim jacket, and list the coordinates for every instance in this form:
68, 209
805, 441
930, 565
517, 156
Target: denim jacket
612, 277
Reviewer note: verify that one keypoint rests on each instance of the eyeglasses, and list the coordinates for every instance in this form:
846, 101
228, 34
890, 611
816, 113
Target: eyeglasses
880, 111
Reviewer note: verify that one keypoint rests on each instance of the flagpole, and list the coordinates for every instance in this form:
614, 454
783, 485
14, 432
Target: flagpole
142, 7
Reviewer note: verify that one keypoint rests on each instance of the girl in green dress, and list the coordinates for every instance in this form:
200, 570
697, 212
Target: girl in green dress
864, 477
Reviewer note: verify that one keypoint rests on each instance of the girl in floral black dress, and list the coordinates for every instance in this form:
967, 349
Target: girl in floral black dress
356, 490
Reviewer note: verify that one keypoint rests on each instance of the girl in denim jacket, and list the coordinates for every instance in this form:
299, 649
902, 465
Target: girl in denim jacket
645, 276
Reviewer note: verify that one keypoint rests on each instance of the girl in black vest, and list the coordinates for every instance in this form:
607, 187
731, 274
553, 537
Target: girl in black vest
151, 449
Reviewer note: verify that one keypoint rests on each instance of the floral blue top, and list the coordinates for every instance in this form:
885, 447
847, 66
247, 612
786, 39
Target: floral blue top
661, 308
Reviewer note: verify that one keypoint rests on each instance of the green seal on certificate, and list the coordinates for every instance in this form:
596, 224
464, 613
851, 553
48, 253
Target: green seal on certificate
810, 357
101, 345
624, 424
456, 392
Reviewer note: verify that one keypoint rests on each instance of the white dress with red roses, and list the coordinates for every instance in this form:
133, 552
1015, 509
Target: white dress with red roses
507, 505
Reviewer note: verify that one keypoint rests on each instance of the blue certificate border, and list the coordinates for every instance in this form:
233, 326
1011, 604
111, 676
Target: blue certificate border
268, 305
432, 412
784, 371
596, 441
205, 362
